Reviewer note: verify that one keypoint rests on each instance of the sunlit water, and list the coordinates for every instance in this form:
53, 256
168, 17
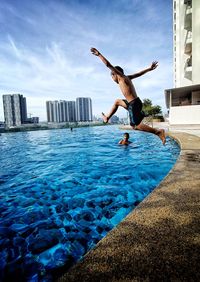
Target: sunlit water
62, 191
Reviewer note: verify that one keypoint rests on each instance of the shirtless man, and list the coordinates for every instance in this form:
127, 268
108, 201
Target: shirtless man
125, 141
132, 103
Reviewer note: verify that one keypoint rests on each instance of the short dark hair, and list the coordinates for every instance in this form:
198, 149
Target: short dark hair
127, 134
119, 69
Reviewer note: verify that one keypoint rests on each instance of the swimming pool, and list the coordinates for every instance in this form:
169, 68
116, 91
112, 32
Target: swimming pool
61, 191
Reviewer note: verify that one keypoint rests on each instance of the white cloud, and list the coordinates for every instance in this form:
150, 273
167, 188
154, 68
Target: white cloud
45, 50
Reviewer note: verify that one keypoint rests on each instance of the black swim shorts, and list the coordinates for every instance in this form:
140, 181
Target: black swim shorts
136, 114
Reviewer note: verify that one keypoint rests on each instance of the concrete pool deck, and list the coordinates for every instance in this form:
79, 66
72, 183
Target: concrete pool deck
160, 239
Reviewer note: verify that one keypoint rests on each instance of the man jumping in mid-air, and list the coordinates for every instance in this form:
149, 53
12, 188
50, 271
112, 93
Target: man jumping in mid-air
132, 103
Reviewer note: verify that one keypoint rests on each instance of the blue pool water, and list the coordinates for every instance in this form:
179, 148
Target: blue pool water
62, 191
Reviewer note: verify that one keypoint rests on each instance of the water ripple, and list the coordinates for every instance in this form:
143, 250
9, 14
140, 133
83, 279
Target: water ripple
62, 191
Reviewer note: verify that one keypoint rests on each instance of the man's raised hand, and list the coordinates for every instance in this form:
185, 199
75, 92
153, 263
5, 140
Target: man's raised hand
95, 51
154, 65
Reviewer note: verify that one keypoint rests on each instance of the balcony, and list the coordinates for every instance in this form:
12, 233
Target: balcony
188, 68
188, 43
188, 2
188, 18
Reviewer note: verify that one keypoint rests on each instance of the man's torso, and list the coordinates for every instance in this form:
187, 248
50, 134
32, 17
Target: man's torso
127, 88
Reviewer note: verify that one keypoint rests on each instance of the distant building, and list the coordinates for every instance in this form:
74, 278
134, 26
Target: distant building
71, 111
124, 120
114, 119
52, 111
83, 109
15, 109
61, 111
2, 124
33, 120
49, 111
183, 101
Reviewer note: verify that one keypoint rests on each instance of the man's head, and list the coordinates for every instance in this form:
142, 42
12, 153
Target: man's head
126, 135
119, 69
114, 74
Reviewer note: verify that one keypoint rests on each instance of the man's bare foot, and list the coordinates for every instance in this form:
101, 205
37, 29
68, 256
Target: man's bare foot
105, 118
161, 135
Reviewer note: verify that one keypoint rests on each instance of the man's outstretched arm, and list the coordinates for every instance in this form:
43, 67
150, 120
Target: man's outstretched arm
152, 67
105, 61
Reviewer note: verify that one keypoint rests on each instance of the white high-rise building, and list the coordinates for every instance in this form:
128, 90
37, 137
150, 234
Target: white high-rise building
49, 108
52, 111
61, 111
15, 109
186, 29
84, 109
67, 111
183, 101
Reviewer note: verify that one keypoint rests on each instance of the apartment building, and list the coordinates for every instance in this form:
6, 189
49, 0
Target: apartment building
15, 109
52, 108
84, 109
183, 101
69, 111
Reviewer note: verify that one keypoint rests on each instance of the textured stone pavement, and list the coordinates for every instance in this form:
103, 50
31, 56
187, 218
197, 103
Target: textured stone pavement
160, 239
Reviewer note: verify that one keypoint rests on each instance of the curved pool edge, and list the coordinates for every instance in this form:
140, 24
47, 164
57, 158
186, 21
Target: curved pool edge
160, 238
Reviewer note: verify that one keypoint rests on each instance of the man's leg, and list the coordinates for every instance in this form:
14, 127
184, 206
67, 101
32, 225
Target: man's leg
118, 102
159, 132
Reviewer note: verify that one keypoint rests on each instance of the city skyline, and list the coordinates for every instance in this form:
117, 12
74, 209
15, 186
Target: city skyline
44, 64
69, 111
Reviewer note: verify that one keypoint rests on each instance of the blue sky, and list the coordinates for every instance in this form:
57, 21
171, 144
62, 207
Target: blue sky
45, 50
